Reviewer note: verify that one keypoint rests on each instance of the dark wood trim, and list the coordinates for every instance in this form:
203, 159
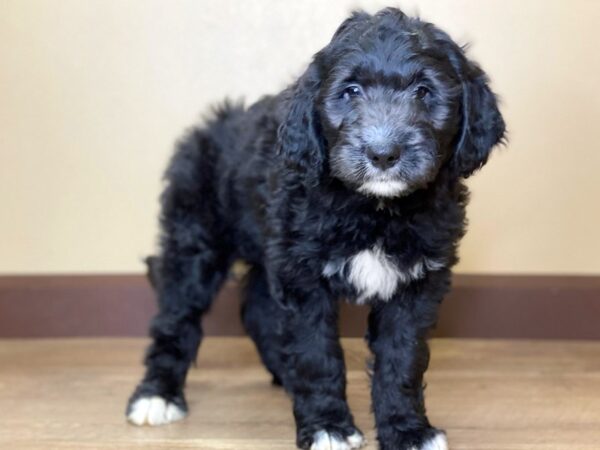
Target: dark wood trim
482, 306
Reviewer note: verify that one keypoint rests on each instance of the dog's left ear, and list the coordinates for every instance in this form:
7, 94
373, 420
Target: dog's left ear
482, 125
299, 138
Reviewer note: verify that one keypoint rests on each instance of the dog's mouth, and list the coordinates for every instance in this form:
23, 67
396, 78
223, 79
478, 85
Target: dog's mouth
352, 167
383, 187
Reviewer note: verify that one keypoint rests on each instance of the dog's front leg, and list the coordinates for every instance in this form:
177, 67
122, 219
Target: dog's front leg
316, 376
397, 337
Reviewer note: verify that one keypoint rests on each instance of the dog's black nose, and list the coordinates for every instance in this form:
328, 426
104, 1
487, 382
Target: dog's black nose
383, 158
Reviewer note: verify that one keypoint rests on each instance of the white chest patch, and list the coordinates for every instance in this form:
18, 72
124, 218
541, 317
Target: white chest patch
374, 274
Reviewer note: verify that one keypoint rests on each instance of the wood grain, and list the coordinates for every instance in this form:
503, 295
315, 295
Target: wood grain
488, 395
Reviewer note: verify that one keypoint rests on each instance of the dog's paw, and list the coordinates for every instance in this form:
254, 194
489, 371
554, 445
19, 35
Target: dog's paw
154, 411
437, 442
323, 440
420, 439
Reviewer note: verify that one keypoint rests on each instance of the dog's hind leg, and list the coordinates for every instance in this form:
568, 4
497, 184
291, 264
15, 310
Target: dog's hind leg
263, 319
192, 264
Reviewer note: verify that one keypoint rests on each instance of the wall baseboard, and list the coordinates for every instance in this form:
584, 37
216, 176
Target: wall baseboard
481, 306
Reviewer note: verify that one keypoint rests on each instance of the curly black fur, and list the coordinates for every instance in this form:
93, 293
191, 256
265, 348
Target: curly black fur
365, 152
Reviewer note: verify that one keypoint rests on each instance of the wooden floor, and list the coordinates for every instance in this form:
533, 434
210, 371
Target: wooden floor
500, 395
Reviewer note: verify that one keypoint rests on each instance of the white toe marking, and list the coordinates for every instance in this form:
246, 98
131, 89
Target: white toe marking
174, 412
137, 414
154, 411
356, 440
438, 442
322, 440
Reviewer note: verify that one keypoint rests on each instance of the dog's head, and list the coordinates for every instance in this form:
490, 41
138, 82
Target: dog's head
388, 103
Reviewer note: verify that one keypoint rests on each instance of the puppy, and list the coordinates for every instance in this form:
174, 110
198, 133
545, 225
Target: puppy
348, 184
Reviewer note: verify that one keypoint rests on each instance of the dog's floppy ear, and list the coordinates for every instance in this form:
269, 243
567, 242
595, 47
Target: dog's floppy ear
482, 125
299, 140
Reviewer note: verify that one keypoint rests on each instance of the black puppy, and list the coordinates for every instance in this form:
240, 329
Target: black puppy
346, 185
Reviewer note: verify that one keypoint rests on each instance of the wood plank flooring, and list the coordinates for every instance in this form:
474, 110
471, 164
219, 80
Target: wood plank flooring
487, 395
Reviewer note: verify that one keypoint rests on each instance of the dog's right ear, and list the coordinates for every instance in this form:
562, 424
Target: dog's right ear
299, 140
482, 124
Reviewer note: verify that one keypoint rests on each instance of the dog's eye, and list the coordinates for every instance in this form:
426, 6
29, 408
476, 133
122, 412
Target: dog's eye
422, 92
352, 91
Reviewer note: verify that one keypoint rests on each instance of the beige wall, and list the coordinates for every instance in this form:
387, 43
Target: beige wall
93, 93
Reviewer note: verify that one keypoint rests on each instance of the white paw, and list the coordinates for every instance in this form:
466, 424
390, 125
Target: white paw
438, 442
154, 411
356, 440
322, 440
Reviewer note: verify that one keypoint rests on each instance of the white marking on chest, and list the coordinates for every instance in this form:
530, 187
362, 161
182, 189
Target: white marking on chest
373, 273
